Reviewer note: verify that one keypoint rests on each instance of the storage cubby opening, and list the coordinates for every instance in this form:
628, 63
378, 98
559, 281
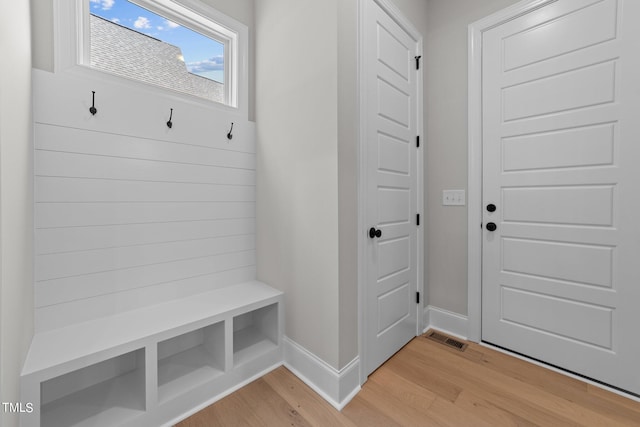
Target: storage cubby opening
103, 394
190, 359
255, 333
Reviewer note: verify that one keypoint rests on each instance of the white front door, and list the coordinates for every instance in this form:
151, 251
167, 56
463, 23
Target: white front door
561, 187
392, 119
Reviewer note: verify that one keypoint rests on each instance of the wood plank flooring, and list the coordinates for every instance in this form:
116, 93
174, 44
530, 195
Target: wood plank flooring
429, 384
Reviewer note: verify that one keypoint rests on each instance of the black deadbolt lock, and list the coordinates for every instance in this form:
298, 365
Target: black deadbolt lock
491, 207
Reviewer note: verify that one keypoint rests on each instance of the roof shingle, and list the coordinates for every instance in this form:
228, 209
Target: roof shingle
119, 50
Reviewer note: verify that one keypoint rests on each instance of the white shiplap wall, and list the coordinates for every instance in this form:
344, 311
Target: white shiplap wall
130, 213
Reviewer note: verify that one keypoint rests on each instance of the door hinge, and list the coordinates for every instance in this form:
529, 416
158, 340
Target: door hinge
417, 219
417, 297
418, 141
418, 62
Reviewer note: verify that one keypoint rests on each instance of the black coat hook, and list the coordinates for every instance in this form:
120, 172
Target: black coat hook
93, 110
170, 123
229, 135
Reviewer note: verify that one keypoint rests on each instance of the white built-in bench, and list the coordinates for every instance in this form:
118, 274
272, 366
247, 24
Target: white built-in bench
155, 365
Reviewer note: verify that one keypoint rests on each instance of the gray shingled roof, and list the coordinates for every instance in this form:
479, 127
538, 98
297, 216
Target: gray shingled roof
119, 50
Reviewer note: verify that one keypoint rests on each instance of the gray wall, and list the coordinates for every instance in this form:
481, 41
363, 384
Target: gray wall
307, 134
16, 201
42, 34
446, 130
297, 166
347, 179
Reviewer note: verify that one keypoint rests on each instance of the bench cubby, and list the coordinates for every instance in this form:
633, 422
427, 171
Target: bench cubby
254, 333
111, 391
190, 359
153, 366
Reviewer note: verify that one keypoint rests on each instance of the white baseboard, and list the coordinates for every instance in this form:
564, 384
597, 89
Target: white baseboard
337, 387
446, 321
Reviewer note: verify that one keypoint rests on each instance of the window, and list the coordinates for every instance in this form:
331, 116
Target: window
163, 43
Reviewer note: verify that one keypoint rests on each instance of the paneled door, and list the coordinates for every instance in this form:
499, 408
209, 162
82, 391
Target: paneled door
561, 187
392, 118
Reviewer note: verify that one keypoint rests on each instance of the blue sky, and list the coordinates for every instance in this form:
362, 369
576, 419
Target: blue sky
202, 55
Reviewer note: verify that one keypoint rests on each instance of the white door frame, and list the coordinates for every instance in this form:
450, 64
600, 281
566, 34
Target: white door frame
363, 226
474, 198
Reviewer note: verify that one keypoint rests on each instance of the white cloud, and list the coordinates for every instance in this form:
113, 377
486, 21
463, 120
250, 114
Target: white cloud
103, 4
116, 20
142, 23
211, 64
168, 25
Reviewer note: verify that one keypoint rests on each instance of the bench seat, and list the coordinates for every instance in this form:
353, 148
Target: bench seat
160, 354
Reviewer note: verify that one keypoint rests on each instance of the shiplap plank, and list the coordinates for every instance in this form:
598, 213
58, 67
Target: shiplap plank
64, 100
57, 291
71, 140
50, 189
54, 240
129, 213
77, 311
68, 264
60, 164
51, 215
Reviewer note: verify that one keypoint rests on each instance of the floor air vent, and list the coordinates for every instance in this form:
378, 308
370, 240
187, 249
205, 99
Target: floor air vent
446, 340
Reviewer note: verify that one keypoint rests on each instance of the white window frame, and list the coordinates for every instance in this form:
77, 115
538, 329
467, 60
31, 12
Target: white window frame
72, 47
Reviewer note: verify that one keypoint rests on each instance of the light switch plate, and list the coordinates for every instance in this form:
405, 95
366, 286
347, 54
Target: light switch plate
453, 198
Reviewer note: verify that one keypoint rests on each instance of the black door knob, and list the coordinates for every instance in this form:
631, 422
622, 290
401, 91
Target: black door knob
491, 207
374, 233
491, 226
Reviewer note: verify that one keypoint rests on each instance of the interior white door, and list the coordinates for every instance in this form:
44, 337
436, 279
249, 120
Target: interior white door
561, 155
392, 183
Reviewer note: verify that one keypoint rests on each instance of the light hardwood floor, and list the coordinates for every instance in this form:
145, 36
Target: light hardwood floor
429, 384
